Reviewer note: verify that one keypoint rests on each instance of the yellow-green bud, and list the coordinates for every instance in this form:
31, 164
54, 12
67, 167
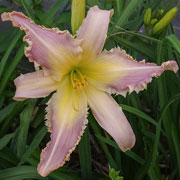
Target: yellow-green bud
154, 21
165, 21
77, 14
159, 12
147, 16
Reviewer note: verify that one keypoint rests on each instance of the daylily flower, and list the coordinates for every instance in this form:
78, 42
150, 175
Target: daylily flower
81, 75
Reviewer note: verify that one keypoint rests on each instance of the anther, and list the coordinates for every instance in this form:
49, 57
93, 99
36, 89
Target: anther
77, 79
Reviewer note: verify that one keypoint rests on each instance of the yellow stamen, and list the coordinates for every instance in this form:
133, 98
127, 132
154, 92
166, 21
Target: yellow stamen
77, 79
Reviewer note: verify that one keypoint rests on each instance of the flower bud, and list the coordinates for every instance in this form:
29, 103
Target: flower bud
165, 21
154, 21
158, 13
77, 14
147, 16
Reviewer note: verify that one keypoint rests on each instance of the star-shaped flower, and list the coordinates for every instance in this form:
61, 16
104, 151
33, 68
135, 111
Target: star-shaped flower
81, 75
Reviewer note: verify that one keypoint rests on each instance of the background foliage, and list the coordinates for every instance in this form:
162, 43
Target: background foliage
154, 113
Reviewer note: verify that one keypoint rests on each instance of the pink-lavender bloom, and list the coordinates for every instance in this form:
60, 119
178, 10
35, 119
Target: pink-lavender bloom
81, 75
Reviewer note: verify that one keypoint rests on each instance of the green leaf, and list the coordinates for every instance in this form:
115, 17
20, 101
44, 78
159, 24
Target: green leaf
128, 11
175, 43
21, 172
25, 118
6, 111
85, 156
97, 130
8, 156
7, 123
26, 4
120, 4
92, 3
8, 51
131, 154
4, 9
138, 113
11, 68
34, 144
136, 45
60, 176
48, 17
174, 132
5, 140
